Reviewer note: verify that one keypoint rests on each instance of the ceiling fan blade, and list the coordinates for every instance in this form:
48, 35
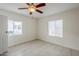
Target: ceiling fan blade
32, 3
22, 8
40, 5
28, 3
30, 13
39, 11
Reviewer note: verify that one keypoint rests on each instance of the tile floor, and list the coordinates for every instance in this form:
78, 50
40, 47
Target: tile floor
40, 48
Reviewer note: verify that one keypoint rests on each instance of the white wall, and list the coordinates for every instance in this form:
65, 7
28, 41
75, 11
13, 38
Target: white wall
29, 28
30, 32
71, 29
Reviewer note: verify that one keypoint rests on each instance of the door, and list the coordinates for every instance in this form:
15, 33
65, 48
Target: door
3, 34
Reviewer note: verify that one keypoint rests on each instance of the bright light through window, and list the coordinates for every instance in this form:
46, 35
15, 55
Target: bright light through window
55, 28
14, 27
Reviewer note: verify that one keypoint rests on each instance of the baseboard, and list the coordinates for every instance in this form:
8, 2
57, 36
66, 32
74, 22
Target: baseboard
60, 45
21, 43
44, 41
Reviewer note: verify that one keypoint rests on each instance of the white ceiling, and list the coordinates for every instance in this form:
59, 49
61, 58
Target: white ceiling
50, 8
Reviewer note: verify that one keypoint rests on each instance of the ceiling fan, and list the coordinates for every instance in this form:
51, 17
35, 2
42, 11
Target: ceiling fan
32, 7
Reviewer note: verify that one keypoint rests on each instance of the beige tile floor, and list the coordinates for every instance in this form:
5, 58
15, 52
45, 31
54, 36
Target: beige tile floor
40, 48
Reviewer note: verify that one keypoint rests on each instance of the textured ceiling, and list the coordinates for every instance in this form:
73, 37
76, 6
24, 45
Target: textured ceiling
50, 8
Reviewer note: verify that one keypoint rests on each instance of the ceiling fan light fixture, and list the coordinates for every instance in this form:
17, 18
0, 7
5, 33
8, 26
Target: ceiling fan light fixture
31, 8
34, 8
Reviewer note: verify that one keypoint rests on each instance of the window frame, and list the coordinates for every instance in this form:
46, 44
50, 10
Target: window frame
11, 33
54, 26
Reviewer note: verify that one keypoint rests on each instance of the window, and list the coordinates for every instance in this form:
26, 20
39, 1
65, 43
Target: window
14, 27
55, 28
